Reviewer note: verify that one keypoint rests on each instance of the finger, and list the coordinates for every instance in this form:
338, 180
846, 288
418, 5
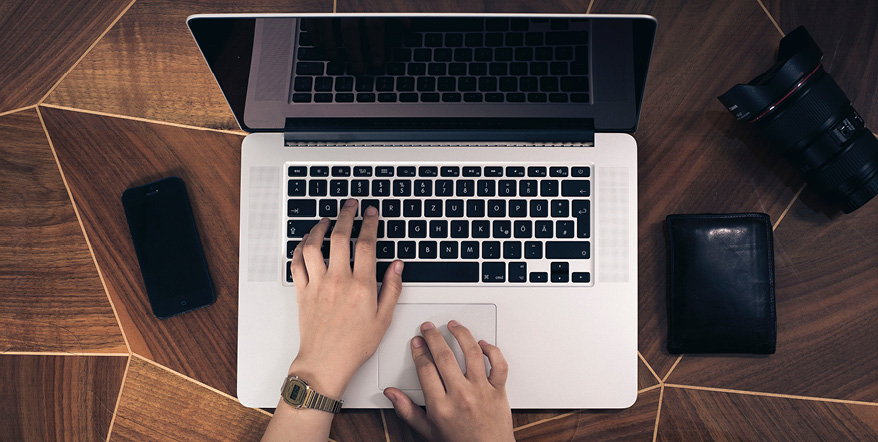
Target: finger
472, 353
297, 267
312, 251
391, 287
350, 37
364, 255
499, 368
375, 34
409, 412
340, 241
428, 376
444, 358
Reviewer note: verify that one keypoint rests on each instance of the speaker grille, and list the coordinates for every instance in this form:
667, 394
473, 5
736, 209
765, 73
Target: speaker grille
263, 220
613, 224
271, 81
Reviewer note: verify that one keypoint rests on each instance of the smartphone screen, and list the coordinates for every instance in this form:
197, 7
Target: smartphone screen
168, 248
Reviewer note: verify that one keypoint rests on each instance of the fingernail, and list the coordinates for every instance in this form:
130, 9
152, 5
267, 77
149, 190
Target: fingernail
305, 237
350, 203
324, 220
397, 267
371, 211
452, 323
427, 326
417, 342
483, 342
390, 396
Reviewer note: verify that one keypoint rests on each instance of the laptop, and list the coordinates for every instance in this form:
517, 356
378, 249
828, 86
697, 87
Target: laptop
497, 149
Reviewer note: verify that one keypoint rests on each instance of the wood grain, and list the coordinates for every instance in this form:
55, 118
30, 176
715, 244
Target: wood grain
51, 298
693, 157
58, 398
149, 66
708, 415
101, 157
827, 313
159, 405
43, 39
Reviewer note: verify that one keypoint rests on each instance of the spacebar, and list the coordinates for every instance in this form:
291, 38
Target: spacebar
419, 271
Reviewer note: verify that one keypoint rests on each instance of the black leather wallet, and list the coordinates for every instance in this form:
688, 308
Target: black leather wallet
721, 297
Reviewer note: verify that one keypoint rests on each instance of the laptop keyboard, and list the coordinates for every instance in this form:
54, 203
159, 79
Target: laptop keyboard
496, 224
494, 60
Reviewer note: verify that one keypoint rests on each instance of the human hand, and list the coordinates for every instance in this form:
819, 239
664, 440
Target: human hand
342, 318
469, 406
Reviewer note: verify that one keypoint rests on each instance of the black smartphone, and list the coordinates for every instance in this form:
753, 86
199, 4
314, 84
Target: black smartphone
168, 248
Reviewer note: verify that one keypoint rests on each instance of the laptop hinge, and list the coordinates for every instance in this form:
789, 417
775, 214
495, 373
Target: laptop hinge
541, 130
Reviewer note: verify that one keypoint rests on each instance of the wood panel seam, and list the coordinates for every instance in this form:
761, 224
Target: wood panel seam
118, 398
60, 353
777, 395
17, 110
658, 413
788, 207
87, 51
650, 388
542, 421
142, 120
672, 369
82, 228
197, 382
590, 4
384, 424
771, 18
654, 374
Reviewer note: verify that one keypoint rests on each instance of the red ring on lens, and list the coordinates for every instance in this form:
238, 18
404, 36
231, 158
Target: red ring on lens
798, 85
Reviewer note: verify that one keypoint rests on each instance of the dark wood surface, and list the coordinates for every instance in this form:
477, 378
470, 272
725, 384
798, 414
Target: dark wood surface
148, 65
51, 298
58, 398
689, 415
42, 40
692, 158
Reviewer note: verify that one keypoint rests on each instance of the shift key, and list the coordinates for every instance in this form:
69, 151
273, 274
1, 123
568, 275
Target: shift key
301, 208
568, 250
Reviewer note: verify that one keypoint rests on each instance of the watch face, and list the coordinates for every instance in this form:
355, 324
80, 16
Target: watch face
295, 392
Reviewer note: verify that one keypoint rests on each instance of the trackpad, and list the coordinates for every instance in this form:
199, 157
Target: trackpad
395, 365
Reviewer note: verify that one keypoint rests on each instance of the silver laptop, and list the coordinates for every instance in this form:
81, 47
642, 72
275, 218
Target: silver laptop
497, 150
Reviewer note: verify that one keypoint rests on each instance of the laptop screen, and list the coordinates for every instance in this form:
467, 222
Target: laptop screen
311, 72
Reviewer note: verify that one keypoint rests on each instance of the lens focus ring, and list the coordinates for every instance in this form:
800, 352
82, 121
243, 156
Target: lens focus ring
834, 177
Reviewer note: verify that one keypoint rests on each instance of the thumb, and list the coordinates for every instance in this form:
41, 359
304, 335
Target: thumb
409, 412
390, 290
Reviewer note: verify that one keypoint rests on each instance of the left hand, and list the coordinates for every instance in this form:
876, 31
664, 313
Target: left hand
342, 317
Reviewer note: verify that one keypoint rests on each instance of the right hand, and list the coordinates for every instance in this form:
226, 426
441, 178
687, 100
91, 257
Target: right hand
460, 407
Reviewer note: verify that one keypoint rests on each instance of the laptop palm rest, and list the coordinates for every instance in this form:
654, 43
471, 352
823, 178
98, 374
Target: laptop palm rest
395, 365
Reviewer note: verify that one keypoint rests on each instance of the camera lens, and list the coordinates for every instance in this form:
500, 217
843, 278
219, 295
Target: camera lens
809, 120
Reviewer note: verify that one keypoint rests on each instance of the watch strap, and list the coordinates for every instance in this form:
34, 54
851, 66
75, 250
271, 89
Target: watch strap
318, 401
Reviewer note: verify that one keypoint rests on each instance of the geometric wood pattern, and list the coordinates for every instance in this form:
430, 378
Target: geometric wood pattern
43, 39
71, 398
51, 298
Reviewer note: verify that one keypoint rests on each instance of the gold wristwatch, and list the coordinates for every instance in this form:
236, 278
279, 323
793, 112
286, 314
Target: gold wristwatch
297, 393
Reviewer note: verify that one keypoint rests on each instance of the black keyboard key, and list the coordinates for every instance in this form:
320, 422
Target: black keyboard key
298, 228
396, 229
417, 229
428, 171
564, 53
581, 209
406, 171
317, 188
423, 188
485, 188
549, 188
402, 187
450, 171
411, 208
463, 55
296, 188
481, 229
472, 171
560, 208
528, 84
494, 39
580, 172
444, 187
319, 171
334, 68
466, 187
539, 277
302, 84
497, 208
583, 277
433, 40
475, 208
448, 250
493, 272
539, 68
515, 97
384, 171
522, 229
385, 250
365, 97
366, 203
568, 250
564, 229
574, 84
426, 84
289, 270
533, 38
457, 69
493, 171
558, 171
387, 97
446, 84
491, 250
405, 84
309, 68
503, 54
511, 250
543, 54
363, 171
472, 97
493, 97
515, 171
341, 171
560, 271
524, 54
469, 249
481, 55
323, 98
433, 209
328, 208
408, 97
558, 68
454, 208
475, 70
460, 229
344, 84
473, 39
536, 171
451, 97
291, 249
536, 97
438, 229
423, 54
508, 84
434, 271
391, 208
404, 250
578, 188
539, 208
502, 229
543, 229
415, 69
506, 188
527, 188
338, 188
427, 250
344, 98
297, 171
517, 272
533, 250
365, 84
517, 208
380, 187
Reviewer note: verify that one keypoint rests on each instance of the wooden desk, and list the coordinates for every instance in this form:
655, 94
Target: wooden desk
97, 99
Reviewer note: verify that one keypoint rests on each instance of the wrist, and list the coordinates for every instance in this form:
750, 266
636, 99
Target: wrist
322, 378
